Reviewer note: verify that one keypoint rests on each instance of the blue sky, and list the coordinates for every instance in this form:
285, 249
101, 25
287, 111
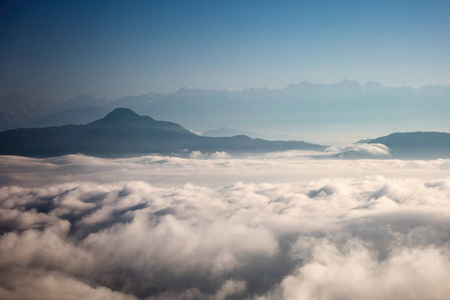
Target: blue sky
60, 49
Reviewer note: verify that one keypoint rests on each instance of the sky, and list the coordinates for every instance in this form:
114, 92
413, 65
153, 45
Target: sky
59, 49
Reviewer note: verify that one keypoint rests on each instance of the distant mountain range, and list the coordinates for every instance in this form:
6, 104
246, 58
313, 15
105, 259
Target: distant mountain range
124, 133
302, 110
229, 132
18, 110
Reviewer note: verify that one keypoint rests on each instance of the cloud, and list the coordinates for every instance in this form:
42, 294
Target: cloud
358, 151
222, 170
228, 288
35, 284
215, 155
93, 234
356, 273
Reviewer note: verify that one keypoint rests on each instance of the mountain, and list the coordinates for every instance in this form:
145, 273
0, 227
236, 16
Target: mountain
83, 100
124, 133
8, 121
76, 116
229, 132
16, 110
126, 119
318, 111
225, 132
416, 145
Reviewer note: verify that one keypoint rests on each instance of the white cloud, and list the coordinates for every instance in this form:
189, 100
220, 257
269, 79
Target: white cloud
356, 273
326, 231
358, 151
228, 288
215, 155
37, 284
275, 167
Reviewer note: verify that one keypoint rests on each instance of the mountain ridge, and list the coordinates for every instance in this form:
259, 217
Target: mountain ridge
125, 133
125, 117
318, 98
416, 145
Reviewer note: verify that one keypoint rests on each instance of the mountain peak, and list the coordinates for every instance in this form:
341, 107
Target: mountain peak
123, 117
122, 114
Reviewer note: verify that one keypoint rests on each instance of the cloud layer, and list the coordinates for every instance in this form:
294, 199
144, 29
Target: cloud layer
215, 169
360, 237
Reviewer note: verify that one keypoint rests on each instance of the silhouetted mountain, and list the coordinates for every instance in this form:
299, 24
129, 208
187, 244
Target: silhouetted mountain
124, 133
417, 145
124, 118
76, 116
313, 108
317, 109
225, 132
8, 121
229, 132
364, 141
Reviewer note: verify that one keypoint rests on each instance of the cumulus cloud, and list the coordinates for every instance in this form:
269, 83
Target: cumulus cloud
93, 234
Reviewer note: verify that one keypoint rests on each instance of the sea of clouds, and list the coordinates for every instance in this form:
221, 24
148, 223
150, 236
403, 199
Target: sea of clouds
210, 226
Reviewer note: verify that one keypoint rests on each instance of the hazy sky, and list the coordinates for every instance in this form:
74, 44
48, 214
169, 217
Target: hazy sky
60, 49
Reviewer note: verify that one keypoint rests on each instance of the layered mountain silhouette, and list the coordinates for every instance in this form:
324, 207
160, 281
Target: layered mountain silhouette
229, 132
124, 133
311, 106
77, 116
416, 145
17, 110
